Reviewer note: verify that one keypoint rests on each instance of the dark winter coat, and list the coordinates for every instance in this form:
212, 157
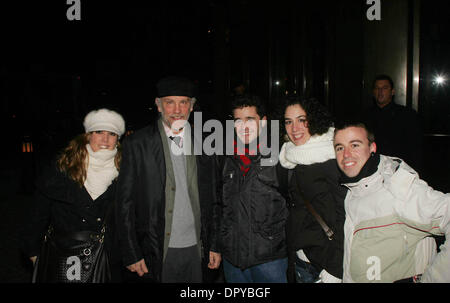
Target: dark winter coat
254, 214
68, 207
141, 197
398, 132
319, 183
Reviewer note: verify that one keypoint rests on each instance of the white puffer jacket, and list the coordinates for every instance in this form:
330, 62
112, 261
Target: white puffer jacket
389, 218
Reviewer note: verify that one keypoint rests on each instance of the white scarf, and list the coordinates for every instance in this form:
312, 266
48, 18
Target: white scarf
317, 149
101, 171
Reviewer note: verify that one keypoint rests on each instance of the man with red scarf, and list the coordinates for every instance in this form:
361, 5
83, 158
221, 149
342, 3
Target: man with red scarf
254, 210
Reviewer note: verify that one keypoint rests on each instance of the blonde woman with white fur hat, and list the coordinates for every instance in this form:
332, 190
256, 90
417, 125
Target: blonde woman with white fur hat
70, 234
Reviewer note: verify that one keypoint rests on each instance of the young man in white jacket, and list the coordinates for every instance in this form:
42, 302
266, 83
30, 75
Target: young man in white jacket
391, 215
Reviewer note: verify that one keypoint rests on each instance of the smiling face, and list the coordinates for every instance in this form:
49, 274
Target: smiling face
352, 149
246, 123
175, 111
296, 124
102, 139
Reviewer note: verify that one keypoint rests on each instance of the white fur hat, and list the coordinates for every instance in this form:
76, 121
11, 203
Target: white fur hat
104, 119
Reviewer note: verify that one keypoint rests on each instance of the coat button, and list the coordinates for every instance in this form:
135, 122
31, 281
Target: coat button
170, 211
168, 234
99, 219
173, 188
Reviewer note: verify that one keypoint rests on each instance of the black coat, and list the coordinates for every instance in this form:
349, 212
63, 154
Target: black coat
68, 207
319, 183
398, 132
254, 214
141, 200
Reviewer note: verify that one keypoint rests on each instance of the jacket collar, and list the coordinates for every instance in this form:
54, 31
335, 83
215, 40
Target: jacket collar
57, 186
392, 173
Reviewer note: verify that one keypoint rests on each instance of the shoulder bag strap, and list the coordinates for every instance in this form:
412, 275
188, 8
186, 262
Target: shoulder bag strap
328, 231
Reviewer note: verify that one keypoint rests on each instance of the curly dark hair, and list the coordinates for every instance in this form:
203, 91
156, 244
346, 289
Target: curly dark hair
318, 117
246, 100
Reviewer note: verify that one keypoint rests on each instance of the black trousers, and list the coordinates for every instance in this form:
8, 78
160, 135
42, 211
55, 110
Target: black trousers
182, 265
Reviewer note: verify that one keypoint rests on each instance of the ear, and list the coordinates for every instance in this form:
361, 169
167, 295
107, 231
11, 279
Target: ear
263, 121
373, 147
158, 104
192, 103
393, 92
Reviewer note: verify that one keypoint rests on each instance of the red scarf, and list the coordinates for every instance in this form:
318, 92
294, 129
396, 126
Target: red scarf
243, 156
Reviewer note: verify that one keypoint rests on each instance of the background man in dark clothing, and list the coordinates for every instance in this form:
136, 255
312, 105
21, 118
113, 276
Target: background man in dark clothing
397, 128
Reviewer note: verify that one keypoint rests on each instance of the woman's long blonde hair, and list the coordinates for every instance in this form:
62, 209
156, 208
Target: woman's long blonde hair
72, 160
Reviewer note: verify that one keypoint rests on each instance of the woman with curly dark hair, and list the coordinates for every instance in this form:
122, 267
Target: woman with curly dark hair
74, 206
315, 227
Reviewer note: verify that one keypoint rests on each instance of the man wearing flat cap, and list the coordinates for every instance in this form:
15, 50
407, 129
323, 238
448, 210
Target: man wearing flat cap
167, 200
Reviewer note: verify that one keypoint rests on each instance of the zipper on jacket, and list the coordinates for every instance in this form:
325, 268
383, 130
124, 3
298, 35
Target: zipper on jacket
248, 257
236, 234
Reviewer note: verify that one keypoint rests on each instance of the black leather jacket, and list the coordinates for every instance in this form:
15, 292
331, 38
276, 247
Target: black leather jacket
141, 200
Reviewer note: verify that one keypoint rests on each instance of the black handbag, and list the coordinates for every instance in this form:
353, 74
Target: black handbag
78, 257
